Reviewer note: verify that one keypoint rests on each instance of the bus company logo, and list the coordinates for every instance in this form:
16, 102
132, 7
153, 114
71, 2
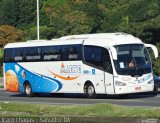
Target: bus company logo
70, 68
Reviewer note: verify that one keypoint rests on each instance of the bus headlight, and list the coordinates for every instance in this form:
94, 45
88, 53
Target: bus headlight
151, 81
118, 83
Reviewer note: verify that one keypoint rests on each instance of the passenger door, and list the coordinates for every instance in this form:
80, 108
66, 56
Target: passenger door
108, 72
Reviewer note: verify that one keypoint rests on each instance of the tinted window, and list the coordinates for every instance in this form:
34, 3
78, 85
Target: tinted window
33, 54
98, 57
52, 53
71, 52
15, 54
8, 55
75, 52
46, 53
107, 62
93, 55
65, 53
18, 54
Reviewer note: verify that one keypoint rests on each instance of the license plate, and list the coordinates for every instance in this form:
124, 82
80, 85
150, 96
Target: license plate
137, 88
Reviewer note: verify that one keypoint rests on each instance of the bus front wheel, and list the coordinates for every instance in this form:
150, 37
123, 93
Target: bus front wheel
90, 91
28, 90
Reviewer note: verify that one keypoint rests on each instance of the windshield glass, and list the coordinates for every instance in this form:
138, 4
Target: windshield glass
132, 59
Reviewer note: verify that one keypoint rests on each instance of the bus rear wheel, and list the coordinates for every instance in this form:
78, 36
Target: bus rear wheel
90, 91
28, 90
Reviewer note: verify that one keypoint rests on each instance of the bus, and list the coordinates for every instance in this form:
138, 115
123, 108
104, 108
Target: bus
91, 64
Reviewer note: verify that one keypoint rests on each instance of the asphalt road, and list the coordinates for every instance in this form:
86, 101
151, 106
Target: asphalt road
137, 100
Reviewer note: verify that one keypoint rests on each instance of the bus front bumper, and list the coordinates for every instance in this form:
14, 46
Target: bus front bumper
133, 89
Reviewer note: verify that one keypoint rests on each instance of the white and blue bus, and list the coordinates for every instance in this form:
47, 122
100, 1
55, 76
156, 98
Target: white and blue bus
105, 63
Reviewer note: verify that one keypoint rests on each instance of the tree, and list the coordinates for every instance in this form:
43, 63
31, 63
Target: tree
138, 17
27, 13
93, 9
79, 22
9, 34
18, 13
9, 12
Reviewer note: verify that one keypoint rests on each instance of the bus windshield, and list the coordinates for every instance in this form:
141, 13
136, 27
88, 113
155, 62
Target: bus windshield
132, 59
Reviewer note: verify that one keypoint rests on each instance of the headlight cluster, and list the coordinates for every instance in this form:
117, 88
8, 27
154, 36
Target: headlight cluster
151, 81
118, 83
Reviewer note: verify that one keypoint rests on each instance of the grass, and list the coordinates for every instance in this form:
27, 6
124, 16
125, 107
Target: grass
98, 113
97, 110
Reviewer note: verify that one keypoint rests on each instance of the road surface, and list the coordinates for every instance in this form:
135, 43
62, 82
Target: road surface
137, 100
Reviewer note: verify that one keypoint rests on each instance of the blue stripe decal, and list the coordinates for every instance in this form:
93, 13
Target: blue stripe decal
39, 83
59, 83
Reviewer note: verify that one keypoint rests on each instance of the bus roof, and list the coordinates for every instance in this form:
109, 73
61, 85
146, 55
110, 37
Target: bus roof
100, 39
109, 38
35, 43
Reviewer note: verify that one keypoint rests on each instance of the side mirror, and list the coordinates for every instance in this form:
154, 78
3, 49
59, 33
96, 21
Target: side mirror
154, 48
114, 53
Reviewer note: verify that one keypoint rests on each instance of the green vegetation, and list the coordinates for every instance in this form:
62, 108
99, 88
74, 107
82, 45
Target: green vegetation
55, 3
63, 17
140, 18
1, 53
1, 61
1, 86
99, 110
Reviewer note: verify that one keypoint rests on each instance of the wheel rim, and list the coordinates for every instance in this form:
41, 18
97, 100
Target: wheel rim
28, 89
90, 90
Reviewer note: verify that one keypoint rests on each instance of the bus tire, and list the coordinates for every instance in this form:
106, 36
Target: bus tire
28, 90
90, 91
155, 89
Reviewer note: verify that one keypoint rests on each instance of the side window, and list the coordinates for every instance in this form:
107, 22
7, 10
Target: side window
33, 54
71, 52
8, 55
65, 53
13, 55
18, 54
75, 52
51, 53
107, 61
94, 55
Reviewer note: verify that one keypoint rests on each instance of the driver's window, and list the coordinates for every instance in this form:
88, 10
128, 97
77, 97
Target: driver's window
107, 62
